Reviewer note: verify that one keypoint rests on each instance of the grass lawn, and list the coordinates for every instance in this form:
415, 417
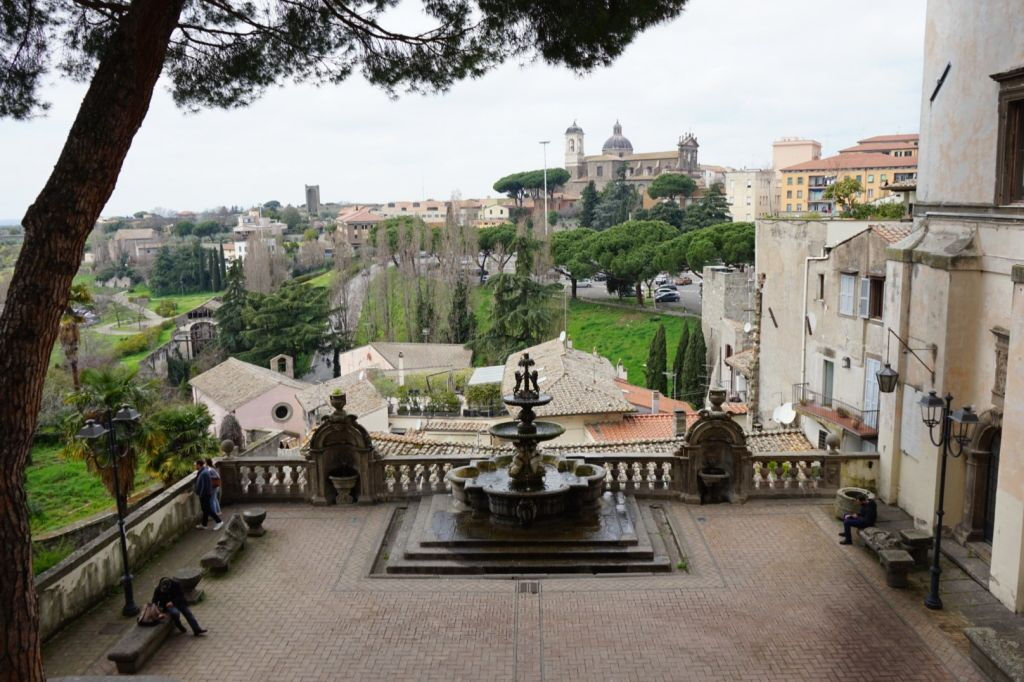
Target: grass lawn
62, 492
623, 335
323, 280
132, 361
185, 302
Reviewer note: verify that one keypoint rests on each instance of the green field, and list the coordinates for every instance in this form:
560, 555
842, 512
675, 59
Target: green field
185, 302
62, 492
623, 335
323, 280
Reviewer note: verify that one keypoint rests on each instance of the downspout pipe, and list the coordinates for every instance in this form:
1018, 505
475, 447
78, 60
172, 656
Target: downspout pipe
803, 320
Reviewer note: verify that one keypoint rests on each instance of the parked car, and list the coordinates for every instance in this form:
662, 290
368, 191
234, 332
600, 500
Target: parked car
668, 285
683, 281
667, 296
584, 284
660, 279
600, 277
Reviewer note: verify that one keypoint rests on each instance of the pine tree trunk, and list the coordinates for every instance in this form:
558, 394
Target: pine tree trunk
56, 227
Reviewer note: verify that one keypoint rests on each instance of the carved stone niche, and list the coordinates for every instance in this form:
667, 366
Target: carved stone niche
715, 441
976, 473
1002, 352
339, 441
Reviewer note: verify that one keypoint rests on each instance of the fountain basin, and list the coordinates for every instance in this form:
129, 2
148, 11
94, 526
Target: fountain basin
566, 487
536, 432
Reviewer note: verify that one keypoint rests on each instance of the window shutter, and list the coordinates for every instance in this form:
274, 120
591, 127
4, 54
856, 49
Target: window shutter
865, 295
846, 285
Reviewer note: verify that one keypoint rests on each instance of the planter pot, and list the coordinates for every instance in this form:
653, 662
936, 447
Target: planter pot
344, 483
848, 501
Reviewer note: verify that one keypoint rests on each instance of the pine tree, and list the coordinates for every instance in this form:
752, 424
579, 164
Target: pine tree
656, 362
223, 265
588, 201
677, 363
230, 323
695, 371
460, 319
215, 270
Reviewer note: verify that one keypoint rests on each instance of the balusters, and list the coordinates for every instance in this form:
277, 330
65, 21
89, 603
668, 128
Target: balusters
301, 478
652, 477
758, 475
403, 478
666, 475
389, 478
446, 485
244, 480
259, 478
623, 480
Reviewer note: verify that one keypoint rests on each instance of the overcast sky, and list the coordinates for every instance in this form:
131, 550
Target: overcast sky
737, 73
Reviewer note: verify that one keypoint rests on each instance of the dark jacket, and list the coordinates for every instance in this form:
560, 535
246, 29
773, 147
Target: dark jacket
204, 486
869, 512
175, 595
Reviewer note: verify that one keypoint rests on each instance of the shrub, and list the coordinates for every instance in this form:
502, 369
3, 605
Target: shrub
483, 395
166, 308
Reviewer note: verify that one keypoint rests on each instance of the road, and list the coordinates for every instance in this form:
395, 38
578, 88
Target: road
689, 296
150, 318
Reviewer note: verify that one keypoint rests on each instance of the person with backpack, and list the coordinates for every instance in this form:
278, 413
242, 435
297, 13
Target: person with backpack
207, 496
170, 599
215, 480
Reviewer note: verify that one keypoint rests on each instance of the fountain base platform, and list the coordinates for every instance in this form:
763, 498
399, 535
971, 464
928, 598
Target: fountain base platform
440, 536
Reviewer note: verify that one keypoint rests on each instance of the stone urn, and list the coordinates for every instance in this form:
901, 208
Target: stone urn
338, 401
189, 579
848, 501
344, 480
254, 519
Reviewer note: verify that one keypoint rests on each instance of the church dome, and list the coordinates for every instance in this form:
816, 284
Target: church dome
574, 129
617, 143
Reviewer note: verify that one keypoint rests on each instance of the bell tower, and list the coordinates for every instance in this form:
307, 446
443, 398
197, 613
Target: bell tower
574, 152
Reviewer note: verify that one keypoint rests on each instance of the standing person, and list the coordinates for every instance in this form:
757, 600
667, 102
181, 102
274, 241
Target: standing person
867, 517
215, 480
169, 598
206, 495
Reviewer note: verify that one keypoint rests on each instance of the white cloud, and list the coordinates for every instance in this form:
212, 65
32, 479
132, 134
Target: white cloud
737, 73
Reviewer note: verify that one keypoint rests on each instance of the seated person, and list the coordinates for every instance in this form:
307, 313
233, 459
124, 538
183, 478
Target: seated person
170, 599
867, 516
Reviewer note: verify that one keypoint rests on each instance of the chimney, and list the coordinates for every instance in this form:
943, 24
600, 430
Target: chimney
680, 423
655, 395
620, 371
401, 368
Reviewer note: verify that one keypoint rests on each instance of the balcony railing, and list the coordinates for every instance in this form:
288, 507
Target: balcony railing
863, 423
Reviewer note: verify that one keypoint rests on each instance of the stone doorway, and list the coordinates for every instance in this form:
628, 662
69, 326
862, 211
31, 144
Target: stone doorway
982, 471
990, 486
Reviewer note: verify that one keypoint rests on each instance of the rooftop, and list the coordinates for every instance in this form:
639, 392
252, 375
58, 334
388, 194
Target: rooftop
866, 160
234, 383
361, 397
636, 427
425, 355
641, 397
578, 382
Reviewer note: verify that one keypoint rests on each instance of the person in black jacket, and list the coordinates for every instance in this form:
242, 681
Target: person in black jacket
170, 599
867, 517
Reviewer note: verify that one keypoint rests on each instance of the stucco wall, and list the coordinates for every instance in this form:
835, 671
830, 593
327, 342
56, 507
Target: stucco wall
360, 358
70, 588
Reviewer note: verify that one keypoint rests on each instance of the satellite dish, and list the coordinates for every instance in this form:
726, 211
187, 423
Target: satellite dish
784, 414
747, 327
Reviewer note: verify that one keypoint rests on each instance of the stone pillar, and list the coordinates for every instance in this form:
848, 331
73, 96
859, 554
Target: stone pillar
1006, 580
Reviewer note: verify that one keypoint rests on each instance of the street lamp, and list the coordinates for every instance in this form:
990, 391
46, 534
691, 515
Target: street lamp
127, 417
956, 428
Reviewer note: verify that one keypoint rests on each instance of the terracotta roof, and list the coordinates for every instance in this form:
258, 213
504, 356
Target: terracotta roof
734, 408
362, 215
361, 397
135, 233
902, 137
426, 355
877, 147
234, 383
650, 446
635, 427
783, 440
741, 362
579, 382
393, 445
893, 233
641, 397
866, 160
456, 425
905, 186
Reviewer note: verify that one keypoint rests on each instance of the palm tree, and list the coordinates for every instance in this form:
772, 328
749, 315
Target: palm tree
186, 430
68, 333
103, 392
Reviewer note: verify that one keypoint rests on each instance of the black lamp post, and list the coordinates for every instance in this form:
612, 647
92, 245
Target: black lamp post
92, 430
955, 431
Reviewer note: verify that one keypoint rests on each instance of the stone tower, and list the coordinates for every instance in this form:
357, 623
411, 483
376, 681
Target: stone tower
688, 155
574, 152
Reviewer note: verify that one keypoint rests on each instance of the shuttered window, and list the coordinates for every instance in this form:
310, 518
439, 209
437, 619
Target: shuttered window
847, 283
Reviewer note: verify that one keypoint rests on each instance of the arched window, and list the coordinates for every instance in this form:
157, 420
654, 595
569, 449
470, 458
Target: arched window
600, 171
282, 365
572, 145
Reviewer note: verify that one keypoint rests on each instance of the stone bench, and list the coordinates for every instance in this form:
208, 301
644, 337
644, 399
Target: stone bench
231, 542
138, 646
896, 560
917, 542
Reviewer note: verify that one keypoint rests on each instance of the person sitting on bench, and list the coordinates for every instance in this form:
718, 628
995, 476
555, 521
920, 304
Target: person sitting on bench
867, 516
170, 599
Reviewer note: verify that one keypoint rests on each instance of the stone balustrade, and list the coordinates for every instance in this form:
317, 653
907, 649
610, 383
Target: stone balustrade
248, 479
402, 477
813, 473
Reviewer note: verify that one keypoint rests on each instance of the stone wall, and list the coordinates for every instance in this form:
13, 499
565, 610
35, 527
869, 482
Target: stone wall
73, 586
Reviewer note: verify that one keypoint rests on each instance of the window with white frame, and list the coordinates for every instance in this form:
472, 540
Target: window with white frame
847, 283
872, 290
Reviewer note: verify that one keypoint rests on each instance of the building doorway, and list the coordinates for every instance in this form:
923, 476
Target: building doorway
828, 377
991, 481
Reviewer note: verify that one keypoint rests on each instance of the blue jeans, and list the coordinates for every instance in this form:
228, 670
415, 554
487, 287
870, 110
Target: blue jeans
208, 509
849, 523
179, 610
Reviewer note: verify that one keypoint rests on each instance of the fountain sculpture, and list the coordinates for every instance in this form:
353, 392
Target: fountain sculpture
528, 486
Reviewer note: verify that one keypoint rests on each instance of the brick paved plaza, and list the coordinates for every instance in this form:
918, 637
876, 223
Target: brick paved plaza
770, 595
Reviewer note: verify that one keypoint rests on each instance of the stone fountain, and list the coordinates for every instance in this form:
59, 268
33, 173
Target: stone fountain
526, 513
528, 486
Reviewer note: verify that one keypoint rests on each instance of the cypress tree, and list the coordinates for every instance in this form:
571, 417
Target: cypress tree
460, 319
677, 362
223, 265
588, 201
657, 359
695, 370
215, 269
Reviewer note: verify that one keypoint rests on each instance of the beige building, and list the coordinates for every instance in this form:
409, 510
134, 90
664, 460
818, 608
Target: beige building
397, 358
727, 317
750, 194
138, 245
429, 211
356, 225
955, 288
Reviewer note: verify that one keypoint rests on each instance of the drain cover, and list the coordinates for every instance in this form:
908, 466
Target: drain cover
529, 587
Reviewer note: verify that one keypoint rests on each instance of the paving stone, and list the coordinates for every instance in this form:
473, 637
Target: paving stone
769, 595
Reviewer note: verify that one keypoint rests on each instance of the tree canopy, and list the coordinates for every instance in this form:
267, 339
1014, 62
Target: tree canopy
571, 254
518, 185
672, 186
844, 192
711, 209
588, 202
615, 203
